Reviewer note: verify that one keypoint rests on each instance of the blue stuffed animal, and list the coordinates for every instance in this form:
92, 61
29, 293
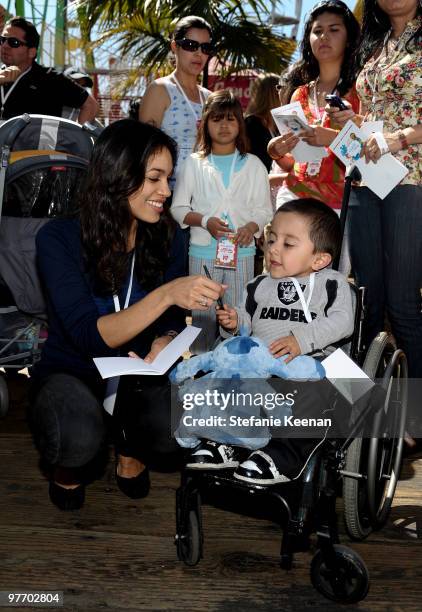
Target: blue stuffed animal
229, 366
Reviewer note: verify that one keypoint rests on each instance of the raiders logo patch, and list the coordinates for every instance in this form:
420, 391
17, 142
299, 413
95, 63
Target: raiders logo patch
287, 293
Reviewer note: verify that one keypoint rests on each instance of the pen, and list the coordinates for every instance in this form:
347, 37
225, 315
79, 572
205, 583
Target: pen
207, 273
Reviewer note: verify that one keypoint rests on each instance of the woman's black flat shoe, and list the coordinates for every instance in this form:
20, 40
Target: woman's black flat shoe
136, 487
67, 499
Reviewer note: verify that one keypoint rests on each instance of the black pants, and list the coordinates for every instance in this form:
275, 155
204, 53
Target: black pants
71, 427
313, 399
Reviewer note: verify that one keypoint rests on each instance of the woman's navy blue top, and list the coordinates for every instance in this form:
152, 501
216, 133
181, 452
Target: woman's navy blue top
73, 308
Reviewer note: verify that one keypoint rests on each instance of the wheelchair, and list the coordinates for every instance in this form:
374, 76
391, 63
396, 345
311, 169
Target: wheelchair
367, 467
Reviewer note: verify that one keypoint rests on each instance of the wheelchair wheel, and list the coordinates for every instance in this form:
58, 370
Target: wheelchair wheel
386, 444
358, 517
345, 579
4, 397
189, 543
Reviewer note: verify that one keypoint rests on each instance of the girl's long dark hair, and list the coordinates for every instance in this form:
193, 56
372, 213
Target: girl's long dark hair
375, 26
116, 171
306, 69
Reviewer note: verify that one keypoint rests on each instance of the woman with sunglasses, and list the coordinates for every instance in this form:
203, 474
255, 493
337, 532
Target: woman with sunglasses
174, 102
330, 38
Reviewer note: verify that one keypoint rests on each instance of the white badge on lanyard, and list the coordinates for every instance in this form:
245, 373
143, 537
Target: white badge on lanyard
227, 247
313, 168
305, 303
113, 383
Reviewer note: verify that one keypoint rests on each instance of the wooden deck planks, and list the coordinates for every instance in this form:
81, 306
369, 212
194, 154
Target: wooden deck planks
118, 554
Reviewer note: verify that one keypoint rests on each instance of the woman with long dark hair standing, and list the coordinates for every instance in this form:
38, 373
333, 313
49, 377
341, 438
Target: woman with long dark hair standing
386, 235
113, 281
326, 66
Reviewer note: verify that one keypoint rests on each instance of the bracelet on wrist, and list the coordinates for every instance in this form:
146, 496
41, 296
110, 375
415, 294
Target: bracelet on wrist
204, 221
404, 144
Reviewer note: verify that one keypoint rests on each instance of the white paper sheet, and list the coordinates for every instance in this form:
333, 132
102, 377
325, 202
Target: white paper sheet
348, 378
119, 366
302, 152
381, 177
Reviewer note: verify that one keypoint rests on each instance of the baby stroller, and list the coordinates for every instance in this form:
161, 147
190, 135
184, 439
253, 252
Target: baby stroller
43, 160
365, 466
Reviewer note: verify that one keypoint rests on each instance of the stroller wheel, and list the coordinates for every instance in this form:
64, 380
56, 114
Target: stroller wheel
4, 397
189, 542
343, 578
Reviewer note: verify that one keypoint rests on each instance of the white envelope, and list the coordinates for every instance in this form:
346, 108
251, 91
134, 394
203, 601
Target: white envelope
118, 366
381, 177
302, 152
347, 377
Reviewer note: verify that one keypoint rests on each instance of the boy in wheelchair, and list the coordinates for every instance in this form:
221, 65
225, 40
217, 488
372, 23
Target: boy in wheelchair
301, 307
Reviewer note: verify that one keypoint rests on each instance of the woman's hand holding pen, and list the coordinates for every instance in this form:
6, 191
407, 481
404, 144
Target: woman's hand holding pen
193, 292
217, 227
227, 317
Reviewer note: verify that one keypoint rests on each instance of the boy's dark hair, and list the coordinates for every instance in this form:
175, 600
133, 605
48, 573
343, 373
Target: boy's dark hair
217, 105
32, 38
324, 224
191, 21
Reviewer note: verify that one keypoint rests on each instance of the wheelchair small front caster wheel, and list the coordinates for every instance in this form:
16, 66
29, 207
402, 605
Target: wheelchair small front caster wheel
189, 542
345, 579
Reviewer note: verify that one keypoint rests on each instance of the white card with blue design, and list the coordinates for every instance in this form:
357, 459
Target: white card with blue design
381, 177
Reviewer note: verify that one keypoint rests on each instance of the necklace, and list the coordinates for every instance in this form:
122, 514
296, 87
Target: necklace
317, 93
196, 116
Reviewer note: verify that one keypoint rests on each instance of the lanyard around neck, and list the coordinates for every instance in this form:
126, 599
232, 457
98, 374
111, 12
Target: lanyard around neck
129, 289
305, 303
189, 103
4, 96
232, 167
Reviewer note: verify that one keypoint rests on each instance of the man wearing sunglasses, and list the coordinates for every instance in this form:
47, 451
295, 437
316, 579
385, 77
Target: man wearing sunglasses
28, 87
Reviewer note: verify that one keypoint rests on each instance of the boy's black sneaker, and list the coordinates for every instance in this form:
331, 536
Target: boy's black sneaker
209, 455
260, 469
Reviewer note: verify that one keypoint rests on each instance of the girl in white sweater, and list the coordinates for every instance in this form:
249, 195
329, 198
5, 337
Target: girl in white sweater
221, 189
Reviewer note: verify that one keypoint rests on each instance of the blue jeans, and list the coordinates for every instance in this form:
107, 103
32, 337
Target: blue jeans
386, 254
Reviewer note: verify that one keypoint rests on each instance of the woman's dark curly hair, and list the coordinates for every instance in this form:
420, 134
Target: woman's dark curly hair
116, 171
307, 68
375, 26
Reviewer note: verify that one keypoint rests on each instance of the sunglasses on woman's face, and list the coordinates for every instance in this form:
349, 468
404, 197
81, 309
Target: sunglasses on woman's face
187, 44
13, 42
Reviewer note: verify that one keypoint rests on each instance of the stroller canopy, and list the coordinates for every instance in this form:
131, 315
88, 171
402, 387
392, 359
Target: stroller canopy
46, 133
